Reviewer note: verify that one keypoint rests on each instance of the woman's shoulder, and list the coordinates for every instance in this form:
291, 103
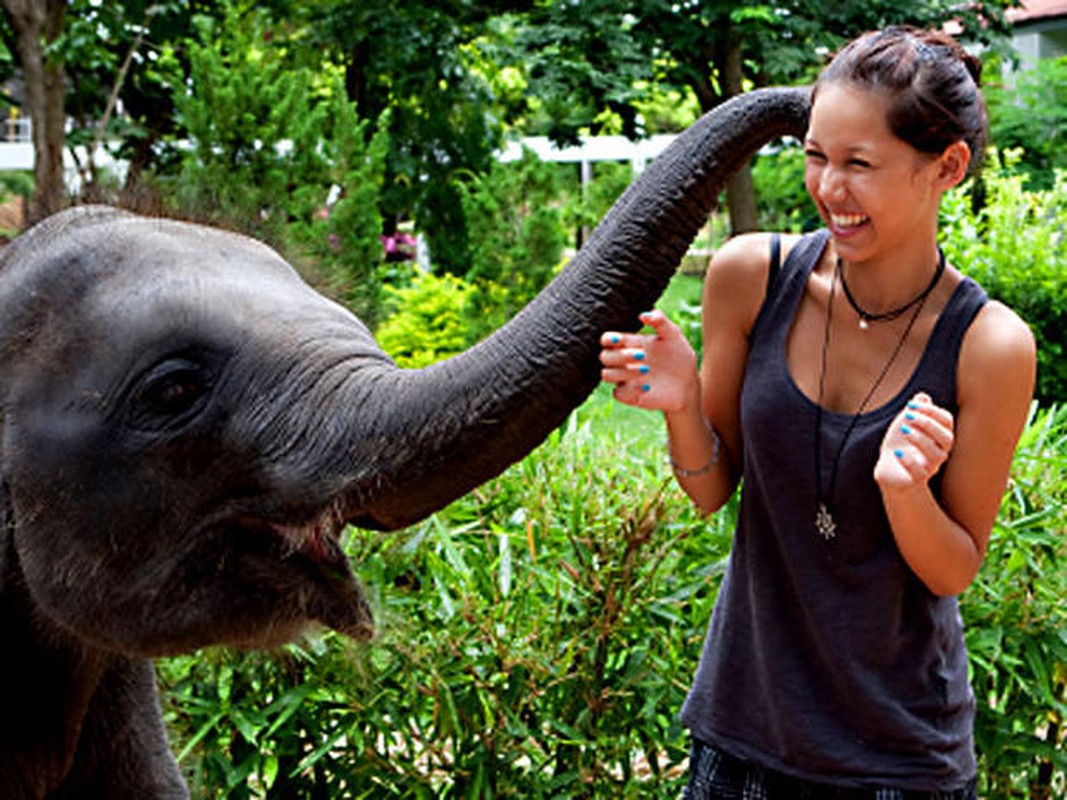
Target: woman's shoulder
745, 259
998, 348
998, 336
736, 281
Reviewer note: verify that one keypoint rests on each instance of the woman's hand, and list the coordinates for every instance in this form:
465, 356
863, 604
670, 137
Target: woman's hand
915, 446
655, 371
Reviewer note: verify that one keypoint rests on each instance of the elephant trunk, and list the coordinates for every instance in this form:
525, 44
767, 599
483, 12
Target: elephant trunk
458, 423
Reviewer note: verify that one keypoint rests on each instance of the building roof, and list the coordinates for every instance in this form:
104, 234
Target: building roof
1033, 10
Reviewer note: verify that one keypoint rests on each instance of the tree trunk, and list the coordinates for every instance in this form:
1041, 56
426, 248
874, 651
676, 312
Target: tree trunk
740, 190
38, 23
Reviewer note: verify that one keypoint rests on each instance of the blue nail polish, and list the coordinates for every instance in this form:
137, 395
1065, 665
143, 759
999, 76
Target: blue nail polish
615, 339
644, 369
645, 387
639, 355
909, 416
898, 453
913, 404
905, 430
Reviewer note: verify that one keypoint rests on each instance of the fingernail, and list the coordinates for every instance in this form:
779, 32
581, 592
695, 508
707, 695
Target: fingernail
898, 453
909, 416
639, 355
615, 340
645, 387
644, 369
913, 404
905, 430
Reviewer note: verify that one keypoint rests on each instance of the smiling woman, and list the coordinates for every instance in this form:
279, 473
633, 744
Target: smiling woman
873, 432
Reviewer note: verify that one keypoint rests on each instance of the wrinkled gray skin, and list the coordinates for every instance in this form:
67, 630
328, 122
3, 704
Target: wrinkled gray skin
187, 426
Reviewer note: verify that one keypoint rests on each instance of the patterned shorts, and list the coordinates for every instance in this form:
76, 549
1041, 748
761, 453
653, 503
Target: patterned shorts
714, 775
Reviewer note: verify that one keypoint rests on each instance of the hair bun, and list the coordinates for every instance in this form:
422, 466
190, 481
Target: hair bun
974, 66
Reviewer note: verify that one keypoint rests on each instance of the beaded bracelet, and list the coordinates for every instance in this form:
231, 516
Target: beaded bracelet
716, 446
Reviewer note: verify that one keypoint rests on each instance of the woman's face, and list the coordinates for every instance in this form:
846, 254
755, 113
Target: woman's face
872, 189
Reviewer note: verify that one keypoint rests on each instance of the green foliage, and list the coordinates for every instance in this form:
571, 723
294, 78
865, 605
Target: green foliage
344, 240
784, 203
609, 180
1031, 117
242, 111
518, 215
420, 61
16, 183
430, 320
1014, 245
515, 220
584, 60
269, 145
1016, 617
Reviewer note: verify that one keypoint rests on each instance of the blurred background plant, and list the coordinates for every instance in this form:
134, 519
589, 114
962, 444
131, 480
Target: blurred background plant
1012, 239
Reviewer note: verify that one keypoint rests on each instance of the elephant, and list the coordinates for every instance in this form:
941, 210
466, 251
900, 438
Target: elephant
187, 426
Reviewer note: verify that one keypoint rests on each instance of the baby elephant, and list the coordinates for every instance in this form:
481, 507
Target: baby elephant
186, 427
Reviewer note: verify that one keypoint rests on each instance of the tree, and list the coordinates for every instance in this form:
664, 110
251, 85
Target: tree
713, 49
37, 25
417, 60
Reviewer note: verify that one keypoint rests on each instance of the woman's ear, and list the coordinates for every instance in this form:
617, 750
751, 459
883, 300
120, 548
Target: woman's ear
953, 163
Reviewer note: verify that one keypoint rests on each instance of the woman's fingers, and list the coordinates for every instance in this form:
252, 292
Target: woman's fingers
651, 370
917, 443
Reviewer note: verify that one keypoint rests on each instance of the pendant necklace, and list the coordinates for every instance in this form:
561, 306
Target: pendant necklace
825, 525
866, 317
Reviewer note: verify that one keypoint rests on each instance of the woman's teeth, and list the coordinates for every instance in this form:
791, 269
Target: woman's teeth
847, 220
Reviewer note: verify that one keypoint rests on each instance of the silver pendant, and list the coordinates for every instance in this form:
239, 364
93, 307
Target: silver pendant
824, 523
863, 324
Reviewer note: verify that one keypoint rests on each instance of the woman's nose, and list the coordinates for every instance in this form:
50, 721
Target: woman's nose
832, 184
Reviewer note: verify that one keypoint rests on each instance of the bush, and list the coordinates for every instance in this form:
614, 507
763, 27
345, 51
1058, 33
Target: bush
1016, 617
270, 145
1014, 245
429, 320
1031, 117
515, 220
783, 201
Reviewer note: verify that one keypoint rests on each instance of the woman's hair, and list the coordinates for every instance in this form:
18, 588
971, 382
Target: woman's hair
931, 83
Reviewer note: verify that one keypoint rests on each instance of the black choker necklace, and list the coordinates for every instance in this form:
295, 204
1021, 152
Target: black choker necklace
866, 317
825, 525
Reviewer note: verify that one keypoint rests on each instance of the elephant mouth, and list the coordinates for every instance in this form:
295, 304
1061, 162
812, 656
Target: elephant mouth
309, 545
314, 535
318, 539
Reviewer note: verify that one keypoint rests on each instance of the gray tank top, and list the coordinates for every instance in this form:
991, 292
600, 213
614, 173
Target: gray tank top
829, 659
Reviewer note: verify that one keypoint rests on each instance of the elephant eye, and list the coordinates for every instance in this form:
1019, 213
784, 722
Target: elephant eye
170, 394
